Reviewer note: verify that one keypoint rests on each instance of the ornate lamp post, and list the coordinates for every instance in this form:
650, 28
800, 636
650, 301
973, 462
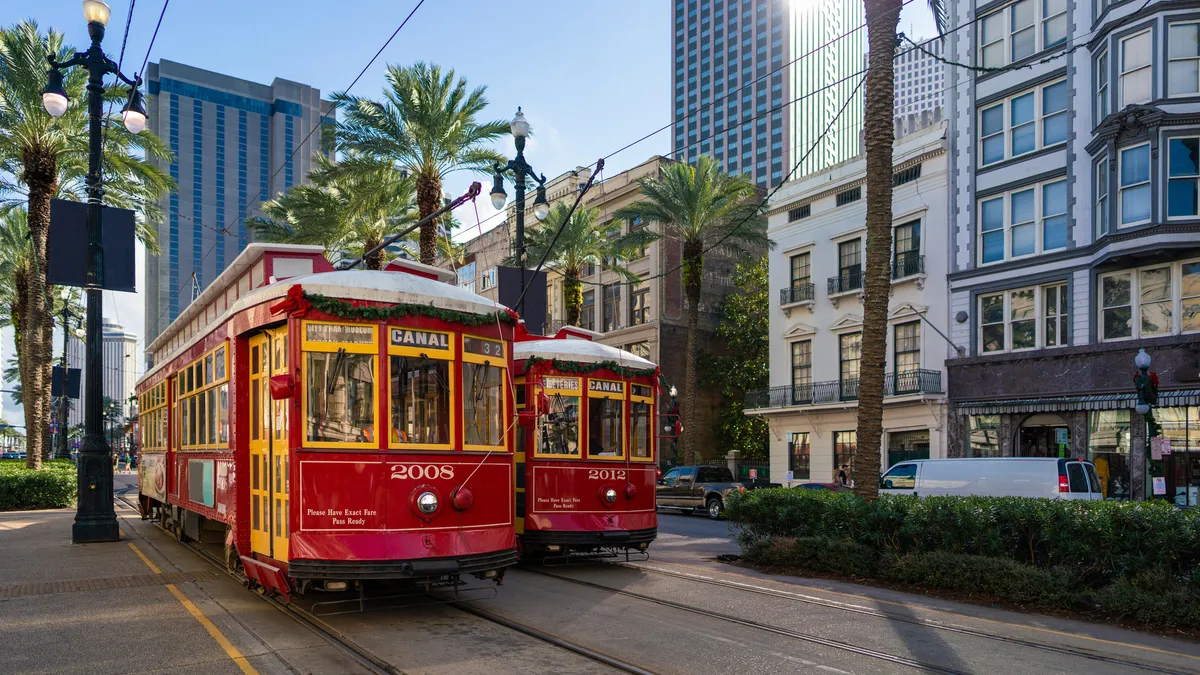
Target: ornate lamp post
1146, 383
95, 519
520, 170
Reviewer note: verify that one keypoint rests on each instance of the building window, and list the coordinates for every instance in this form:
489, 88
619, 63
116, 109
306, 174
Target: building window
612, 306
907, 250
487, 279
1024, 222
850, 265
1024, 123
851, 195
801, 275
587, 311
802, 211
1183, 181
849, 360
1108, 449
798, 455
984, 431
1183, 65
641, 349
1135, 84
1023, 319
845, 446
907, 356
1134, 192
1101, 214
906, 176
639, 306
801, 371
1102, 101
1144, 303
905, 446
1021, 30
638, 225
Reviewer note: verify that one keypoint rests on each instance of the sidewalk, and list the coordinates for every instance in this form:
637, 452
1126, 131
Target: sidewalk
143, 604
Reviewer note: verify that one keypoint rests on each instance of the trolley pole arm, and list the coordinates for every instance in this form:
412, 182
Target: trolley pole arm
471, 193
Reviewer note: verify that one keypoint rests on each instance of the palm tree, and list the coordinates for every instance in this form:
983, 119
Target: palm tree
350, 207
427, 125
581, 242
879, 132
42, 157
705, 209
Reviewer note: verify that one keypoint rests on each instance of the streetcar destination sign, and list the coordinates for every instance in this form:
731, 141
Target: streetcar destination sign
564, 383
474, 345
403, 337
606, 386
325, 332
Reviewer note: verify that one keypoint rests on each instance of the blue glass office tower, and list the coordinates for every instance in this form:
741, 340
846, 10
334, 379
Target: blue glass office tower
209, 119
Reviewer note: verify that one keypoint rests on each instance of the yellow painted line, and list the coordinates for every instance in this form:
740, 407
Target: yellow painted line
933, 610
209, 626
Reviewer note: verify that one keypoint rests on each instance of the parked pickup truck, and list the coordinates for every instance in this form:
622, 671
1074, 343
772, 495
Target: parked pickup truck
700, 487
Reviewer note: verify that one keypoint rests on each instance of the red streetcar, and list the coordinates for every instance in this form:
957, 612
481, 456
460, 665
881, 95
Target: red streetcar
585, 450
332, 427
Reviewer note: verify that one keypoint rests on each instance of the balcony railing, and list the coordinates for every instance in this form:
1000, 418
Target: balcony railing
837, 391
797, 293
850, 279
907, 265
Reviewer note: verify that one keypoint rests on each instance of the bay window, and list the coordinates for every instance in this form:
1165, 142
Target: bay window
1023, 222
1101, 213
1023, 319
1021, 30
1145, 302
1183, 177
1183, 60
1102, 102
1134, 192
1024, 123
1135, 84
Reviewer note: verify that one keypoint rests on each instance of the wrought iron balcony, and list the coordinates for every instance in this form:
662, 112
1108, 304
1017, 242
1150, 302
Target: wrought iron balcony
797, 293
851, 279
838, 391
907, 265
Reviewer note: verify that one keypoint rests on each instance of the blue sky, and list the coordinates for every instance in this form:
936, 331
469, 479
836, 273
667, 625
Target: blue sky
590, 76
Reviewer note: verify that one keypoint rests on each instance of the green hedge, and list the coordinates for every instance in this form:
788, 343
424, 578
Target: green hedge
52, 487
1099, 541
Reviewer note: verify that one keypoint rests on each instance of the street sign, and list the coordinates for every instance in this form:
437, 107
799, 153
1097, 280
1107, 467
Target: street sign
1160, 485
1156, 452
72, 382
790, 476
753, 473
1166, 446
1060, 436
67, 246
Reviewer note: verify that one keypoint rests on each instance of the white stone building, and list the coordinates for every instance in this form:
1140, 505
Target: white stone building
818, 225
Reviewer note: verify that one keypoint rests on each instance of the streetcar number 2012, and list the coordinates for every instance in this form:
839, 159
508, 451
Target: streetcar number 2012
422, 471
606, 474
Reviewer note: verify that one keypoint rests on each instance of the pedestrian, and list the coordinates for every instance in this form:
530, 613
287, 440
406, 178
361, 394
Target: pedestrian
843, 476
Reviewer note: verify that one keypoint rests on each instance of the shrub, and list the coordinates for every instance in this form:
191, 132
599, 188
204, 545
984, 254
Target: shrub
51, 488
1013, 581
1124, 599
816, 554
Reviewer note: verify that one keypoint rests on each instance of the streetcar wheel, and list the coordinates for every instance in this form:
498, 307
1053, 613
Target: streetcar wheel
715, 508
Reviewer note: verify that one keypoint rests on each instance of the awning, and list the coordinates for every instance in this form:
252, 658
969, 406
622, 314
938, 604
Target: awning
1166, 399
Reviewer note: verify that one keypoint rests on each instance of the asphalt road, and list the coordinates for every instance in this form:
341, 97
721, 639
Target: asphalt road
688, 537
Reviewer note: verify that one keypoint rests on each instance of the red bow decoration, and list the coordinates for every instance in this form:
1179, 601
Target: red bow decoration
294, 304
512, 314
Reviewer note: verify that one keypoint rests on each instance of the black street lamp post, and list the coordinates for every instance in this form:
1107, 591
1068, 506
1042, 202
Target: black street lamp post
1146, 384
95, 519
520, 170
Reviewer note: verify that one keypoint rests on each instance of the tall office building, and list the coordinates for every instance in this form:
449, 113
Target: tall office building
120, 366
735, 84
920, 78
235, 144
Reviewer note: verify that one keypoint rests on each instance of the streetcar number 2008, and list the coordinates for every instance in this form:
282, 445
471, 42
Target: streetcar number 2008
422, 471
606, 474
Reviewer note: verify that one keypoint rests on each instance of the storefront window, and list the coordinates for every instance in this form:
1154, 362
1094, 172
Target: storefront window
1181, 468
907, 445
639, 432
604, 427
420, 401
985, 436
558, 434
845, 446
483, 396
1108, 449
341, 397
798, 455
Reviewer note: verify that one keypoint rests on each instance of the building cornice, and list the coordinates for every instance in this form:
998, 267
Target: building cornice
842, 187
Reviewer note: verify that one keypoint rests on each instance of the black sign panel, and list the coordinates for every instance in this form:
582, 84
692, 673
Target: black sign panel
72, 382
473, 345
67, 246
508, 287
406, 337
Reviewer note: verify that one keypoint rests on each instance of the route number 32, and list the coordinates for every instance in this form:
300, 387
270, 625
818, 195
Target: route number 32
606, 474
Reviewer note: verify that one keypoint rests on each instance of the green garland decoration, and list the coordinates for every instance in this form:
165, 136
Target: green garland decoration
346, 310
576, 368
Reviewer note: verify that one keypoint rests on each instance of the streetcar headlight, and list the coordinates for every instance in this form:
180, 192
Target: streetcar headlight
427, 502
610, 495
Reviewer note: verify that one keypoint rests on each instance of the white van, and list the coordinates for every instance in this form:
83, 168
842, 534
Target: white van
994, 477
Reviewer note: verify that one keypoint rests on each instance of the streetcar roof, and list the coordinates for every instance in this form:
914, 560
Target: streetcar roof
576, 350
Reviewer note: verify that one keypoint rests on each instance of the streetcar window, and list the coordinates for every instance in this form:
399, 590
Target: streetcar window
186, 418
213, 422
639, 432
604, 427
208, 369
341, 397
220, 356
482, 400
420, 401
223, 413
558, 433
254, 360
255, 411
201, 401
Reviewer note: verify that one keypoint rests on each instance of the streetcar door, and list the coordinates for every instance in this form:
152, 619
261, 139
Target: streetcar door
280, 457
260, 475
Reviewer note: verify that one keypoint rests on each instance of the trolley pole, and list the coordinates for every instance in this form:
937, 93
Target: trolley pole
95, 519
520, 170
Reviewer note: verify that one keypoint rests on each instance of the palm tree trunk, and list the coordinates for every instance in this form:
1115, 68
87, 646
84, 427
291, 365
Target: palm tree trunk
693, 269
429, 199
882, 17
41, 175
572, 298
375, 260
